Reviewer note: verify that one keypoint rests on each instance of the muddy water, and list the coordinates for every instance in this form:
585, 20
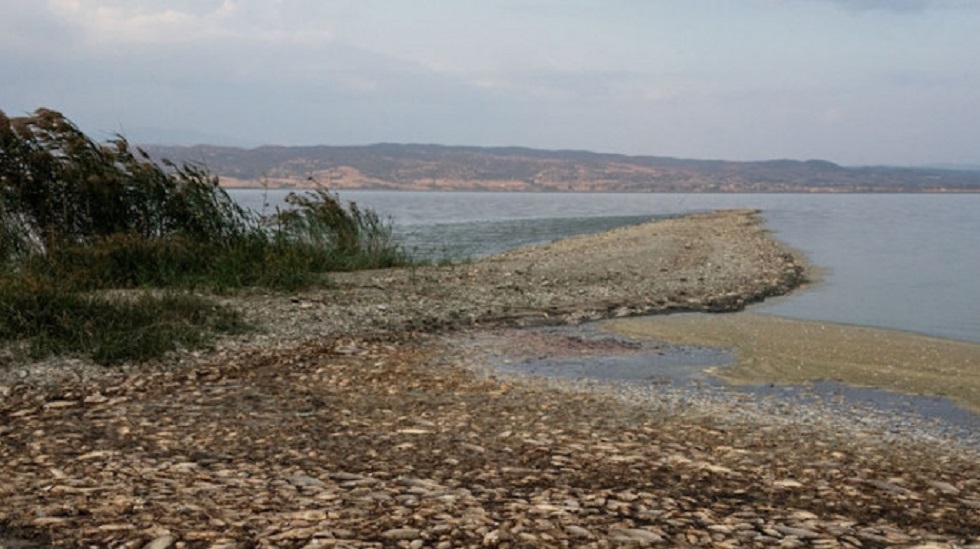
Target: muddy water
888, 369
577, 352
771, 349
904, 377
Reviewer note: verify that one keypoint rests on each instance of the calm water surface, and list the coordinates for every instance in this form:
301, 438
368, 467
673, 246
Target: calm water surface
901, 261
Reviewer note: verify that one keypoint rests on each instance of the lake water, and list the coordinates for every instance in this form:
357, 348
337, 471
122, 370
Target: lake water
901, 261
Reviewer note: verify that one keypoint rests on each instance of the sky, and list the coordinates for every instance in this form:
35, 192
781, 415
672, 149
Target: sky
857, 82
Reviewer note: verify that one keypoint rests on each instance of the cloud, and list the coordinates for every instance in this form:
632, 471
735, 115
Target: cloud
902, 5
583, 84
703, 78
26, 27
134, 23
150, 23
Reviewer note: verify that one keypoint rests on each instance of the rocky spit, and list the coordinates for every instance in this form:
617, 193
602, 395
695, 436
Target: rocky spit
363, 415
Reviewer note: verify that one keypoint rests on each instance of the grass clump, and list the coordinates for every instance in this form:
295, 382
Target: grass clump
110, 330
79, 217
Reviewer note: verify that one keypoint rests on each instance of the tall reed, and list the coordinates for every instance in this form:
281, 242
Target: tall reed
81, 216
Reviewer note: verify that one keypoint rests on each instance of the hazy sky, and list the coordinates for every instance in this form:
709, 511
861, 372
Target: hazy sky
852, 81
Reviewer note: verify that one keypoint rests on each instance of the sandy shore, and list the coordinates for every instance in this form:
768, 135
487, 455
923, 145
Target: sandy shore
368, 415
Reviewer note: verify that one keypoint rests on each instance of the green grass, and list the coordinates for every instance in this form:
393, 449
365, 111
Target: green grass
79, 218
109, 329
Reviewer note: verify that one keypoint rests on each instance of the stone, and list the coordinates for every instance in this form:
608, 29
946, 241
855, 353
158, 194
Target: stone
890, 487
801, 533
635, 534
405, 534
305, 481
578, 532
945, 488
342, 476
161, 542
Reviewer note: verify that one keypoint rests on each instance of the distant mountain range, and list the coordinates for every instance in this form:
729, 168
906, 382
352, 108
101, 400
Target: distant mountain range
436, 167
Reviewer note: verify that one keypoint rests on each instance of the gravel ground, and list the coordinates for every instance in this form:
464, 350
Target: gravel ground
366, 415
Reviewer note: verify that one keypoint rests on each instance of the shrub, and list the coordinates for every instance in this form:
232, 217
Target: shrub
78, 216
62, 188
101, 216
360, 239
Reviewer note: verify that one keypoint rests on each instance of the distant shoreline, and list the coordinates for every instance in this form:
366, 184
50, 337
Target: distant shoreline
435, 167
477, 188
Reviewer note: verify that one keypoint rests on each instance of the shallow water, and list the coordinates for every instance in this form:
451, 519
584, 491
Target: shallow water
885, 369
658, 363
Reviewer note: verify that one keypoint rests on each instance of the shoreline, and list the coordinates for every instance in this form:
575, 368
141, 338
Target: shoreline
771, 349
715, 262
301, 187
654, 372
359, 416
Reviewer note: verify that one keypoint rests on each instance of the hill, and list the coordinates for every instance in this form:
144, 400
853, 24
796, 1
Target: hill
437, 167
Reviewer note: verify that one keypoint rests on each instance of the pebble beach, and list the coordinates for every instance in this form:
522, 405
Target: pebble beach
373, 413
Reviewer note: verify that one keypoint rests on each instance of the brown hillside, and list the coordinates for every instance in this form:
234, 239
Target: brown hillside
434, 167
